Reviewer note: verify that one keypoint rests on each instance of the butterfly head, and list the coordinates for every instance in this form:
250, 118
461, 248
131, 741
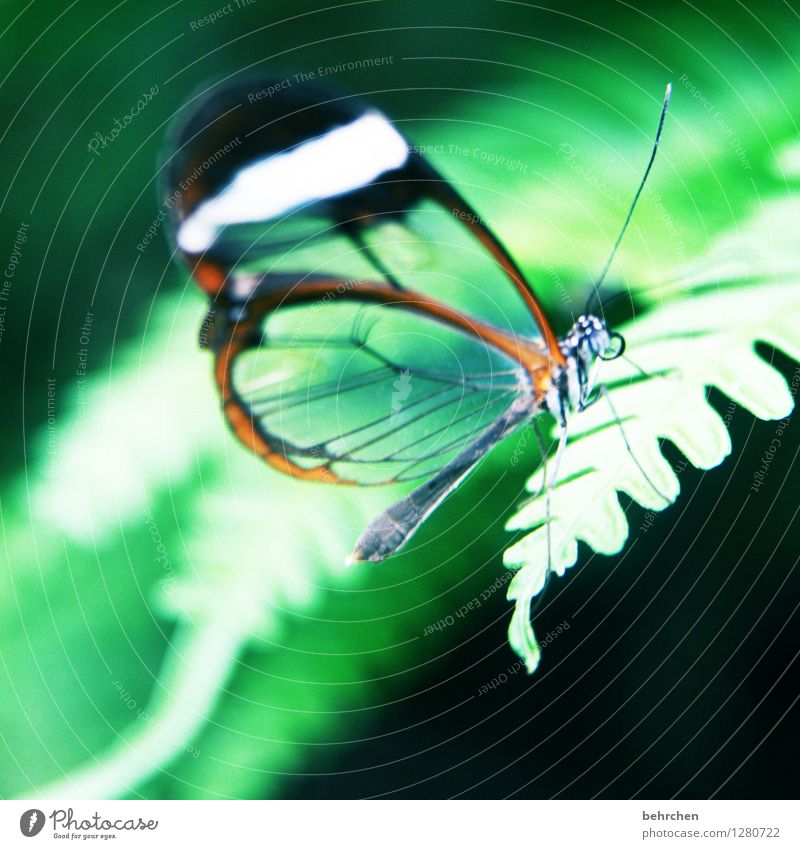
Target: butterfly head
590, 339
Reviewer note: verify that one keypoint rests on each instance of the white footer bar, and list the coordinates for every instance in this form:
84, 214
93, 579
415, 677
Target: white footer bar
401, 824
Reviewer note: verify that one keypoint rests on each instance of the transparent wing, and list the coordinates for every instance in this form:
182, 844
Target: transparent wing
369, 393
428, 248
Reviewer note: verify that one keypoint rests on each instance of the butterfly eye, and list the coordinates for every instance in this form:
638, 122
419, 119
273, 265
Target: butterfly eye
616, 347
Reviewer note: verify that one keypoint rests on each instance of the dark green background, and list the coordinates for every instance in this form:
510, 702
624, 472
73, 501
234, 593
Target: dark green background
676, 676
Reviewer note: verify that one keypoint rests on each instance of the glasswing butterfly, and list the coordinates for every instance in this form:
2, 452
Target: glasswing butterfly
368, 327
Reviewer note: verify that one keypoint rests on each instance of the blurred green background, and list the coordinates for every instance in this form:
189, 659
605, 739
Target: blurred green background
176, 619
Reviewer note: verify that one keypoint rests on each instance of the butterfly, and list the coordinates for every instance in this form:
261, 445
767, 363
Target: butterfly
367, 325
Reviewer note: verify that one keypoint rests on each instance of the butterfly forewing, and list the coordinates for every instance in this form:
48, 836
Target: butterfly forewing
265, 180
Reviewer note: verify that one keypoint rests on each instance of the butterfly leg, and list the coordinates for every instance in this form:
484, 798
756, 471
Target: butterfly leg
549, 485
602, 392
543, 453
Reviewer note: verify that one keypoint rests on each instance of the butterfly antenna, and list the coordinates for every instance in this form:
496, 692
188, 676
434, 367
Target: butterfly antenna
602, 276
638, 368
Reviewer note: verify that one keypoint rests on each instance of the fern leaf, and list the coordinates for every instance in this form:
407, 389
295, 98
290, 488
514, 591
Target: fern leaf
688, 345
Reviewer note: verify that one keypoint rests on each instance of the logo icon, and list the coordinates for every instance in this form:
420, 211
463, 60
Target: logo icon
402, 389
31, 822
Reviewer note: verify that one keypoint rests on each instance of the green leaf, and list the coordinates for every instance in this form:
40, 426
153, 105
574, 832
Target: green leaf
143, 524
694, 341
177, 605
